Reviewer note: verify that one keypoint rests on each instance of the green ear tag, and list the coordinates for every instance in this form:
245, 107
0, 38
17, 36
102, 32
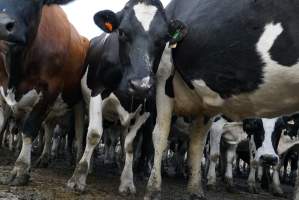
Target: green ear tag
176, 35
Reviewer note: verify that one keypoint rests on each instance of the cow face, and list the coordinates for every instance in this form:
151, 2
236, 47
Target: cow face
263, 134
143, 31
19, 19
289, 133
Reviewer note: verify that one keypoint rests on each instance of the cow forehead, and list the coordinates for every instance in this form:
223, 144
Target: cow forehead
145, 14
269, 124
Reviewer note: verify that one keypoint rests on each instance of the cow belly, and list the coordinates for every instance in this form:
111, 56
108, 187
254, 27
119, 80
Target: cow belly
276, 96
187, 102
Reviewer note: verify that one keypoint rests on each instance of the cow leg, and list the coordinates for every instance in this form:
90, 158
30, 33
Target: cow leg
20, 174
127, 180
251, 179
195, 153
56, 140
4, 137
277, 191
95, 131
296, 192
164, 105
11, 141
79, 129
180, 158
44, 160
230, 157
213, 158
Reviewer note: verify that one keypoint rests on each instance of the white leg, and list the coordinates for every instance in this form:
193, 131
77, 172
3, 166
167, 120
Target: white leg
127, 179
230, 157
260, 173
276, 182
212, 171
22, 165
195, 153
164, 106
215, 137
56, 140
251, 178
79, 129
95, 131
11, 141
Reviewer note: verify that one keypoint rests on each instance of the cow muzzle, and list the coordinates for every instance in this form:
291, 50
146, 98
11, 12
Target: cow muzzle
140, 86
269, 160
9, 31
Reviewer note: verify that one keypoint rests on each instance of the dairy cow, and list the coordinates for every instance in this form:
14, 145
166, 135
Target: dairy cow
104, 88
239, 59
39, 49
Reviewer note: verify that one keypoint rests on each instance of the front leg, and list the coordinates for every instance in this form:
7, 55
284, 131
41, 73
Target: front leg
20, 174
195, 154
164, 104
127, 180
95, 131
277, 191
251, 178
230, 157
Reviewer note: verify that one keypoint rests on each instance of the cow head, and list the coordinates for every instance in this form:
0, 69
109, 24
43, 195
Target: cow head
143, 31
263, 134
19, 19
289, 133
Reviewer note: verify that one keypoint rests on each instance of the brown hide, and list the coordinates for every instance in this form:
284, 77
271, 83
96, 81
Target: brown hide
55, 59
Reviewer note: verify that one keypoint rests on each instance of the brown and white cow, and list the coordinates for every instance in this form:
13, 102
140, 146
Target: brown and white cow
42, 59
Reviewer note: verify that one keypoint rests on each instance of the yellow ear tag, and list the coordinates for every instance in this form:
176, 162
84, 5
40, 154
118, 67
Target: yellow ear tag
173, 46
292, 122
109, 26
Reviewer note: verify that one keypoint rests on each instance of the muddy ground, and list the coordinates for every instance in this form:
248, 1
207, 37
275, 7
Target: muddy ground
49, 184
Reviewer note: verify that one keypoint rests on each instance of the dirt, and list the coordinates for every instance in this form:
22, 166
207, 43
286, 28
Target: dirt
49, 184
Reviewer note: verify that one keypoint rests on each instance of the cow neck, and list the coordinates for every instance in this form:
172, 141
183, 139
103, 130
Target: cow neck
16, 58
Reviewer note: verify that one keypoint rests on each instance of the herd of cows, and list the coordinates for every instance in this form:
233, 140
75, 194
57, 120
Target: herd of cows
211, 80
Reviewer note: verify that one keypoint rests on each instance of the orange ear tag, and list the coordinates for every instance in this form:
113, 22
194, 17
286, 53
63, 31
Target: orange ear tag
109, 26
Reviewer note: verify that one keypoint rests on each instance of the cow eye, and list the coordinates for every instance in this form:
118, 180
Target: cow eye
123, 35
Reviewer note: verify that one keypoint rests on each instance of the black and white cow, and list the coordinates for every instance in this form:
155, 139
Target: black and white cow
269, 141
239, 59
228, 134
104, 91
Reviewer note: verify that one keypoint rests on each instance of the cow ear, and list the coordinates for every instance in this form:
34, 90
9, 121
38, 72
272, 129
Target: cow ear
177, 31
59, 2
107, 20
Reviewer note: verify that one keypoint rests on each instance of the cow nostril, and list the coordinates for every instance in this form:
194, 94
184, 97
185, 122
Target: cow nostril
10, 26
269, 159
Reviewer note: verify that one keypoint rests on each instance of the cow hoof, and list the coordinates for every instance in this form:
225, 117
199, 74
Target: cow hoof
197, 197
278, 194
153, 196
253, 190
21, 180
127, 189
43, 161
211, 187
78, 181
